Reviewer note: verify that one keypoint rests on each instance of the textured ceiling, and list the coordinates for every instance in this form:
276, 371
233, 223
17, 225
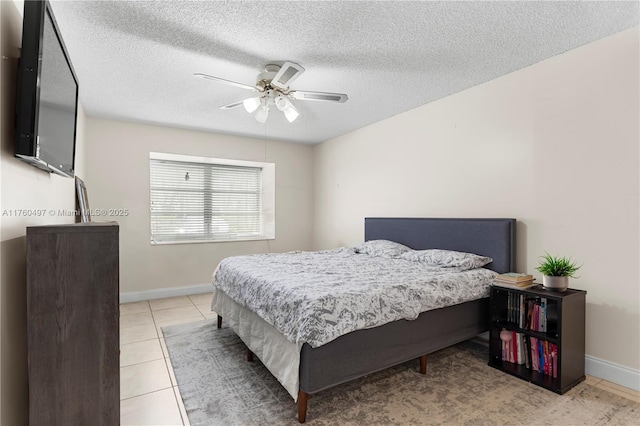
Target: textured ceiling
135, 59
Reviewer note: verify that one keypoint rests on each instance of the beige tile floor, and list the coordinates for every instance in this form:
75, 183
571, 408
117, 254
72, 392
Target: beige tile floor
149, 394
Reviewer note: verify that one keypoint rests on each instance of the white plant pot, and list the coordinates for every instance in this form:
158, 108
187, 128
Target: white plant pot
555, 283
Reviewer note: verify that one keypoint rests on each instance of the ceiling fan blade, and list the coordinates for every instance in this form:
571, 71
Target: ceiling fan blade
222, 80
233, 105
288, 72
319, 96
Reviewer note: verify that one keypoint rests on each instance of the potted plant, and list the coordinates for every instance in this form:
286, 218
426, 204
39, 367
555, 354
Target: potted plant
556, 272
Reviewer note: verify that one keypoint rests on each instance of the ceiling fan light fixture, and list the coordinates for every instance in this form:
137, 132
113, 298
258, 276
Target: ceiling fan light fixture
291, 113
273, 90
263, 112
262, 115
251, 104
282, 103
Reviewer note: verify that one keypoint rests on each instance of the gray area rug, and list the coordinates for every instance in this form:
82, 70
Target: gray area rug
219, 387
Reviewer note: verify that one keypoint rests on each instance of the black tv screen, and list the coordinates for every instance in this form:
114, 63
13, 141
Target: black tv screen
47, 94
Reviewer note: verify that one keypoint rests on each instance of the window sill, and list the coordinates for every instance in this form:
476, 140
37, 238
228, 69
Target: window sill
162, 243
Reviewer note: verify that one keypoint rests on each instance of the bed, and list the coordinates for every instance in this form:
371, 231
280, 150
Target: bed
304, 369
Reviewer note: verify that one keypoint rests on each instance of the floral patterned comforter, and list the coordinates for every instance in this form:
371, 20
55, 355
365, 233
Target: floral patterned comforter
316, 297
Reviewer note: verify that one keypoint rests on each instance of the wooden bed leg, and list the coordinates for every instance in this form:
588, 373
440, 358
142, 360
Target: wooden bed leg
219, 321
302, 406
249, 355
423, 364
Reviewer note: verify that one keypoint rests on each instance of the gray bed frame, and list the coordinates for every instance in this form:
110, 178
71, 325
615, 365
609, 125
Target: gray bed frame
364, 352
367, 351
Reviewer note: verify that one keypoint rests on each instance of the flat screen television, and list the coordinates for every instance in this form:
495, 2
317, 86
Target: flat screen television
47, 94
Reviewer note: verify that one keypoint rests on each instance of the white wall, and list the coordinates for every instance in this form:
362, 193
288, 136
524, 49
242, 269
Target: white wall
554, 145
21, 187
117, 176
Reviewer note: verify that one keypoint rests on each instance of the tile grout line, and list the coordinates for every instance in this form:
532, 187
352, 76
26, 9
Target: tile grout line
185, 421
134, 313
166, 364
143, 362
173, 307
175, 395
138, 341
159, 336
155, 326
146, 393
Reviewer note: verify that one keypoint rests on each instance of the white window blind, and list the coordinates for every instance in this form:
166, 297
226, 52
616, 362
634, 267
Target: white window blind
207, 201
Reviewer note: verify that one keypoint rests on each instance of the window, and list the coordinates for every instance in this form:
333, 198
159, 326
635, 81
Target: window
198, 199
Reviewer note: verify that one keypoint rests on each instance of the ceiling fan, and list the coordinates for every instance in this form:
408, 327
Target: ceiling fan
272, 86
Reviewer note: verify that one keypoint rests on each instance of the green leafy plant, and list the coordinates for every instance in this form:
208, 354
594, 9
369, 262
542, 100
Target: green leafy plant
557, 266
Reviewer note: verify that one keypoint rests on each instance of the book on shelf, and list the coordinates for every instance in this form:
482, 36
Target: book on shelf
514, 348
542, 325
534, 353
514, 277
524, 311
537, 314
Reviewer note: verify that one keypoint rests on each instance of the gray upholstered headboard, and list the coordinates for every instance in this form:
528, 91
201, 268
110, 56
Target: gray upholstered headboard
495, 238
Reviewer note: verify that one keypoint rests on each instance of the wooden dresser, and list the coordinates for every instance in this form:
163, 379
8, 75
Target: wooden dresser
73, 324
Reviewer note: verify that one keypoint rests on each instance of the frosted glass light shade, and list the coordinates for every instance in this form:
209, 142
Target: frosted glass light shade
262, 114
251, 104
291, 113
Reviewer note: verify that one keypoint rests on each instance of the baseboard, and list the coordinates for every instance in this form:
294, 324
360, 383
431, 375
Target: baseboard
612, 372
161, 293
